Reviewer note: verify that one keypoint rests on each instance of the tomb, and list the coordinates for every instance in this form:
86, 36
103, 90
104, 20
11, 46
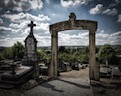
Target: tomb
115, 73
15, 73
64, 66
30, 56
12, 74
105, 71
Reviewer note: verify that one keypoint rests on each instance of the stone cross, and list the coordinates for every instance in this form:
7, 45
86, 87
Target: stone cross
72, 18
31, 25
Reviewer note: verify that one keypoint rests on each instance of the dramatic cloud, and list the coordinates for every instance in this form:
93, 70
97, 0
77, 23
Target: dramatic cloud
26, 16
18, 29
68, 3
103, 38
10, 41
17, 14
115, 4
43, 40
82, 38
2, 28
97, 9
100, 9
21, 20
21, 5
73, 39
110, 12
119, 18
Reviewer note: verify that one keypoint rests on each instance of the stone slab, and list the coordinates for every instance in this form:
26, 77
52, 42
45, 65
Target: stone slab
21, 75
116, 72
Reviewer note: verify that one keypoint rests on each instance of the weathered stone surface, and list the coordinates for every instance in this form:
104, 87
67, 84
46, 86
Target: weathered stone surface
73, 24
30, 57
115, 72
104, 70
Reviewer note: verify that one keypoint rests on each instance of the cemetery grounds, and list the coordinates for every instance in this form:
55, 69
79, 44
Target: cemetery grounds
72, 83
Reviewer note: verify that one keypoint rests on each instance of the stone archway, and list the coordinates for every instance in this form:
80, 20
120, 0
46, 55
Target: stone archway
73, 24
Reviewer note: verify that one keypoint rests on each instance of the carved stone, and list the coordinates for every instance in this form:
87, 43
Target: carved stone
74, 24
30, 57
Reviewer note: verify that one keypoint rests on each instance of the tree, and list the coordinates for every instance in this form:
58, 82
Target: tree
6, 53
106, 53
84, 58
17, 50
1, 56
63, 49
44, 54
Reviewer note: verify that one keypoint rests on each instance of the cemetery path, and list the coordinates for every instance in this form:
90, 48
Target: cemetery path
73, 83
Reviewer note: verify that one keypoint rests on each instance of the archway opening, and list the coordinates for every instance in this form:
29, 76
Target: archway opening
73, 54
73, 24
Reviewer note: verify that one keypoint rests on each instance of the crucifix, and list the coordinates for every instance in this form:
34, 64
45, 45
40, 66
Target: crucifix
31, 25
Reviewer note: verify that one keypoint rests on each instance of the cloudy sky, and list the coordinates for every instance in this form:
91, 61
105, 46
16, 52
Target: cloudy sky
15, 15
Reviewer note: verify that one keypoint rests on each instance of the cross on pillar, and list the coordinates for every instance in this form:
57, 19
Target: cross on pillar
72, 18
31, 25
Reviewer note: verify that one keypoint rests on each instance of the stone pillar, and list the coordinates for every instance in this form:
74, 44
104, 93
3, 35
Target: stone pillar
54, 55
91, 56
94, 67
97, 71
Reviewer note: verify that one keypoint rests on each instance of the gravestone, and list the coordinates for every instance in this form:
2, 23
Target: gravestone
30, 56
105, 71
115, 72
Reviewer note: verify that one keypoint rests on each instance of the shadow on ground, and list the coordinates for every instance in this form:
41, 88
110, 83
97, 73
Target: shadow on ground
47, 85
77, 85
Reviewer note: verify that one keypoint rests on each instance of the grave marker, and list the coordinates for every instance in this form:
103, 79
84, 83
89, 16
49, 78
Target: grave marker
30, 57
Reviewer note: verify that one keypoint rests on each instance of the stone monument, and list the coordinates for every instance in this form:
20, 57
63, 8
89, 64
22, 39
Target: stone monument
30, 56
74, 24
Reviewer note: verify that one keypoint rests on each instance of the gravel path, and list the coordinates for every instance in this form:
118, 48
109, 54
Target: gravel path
65, 85
61, 87
72, 83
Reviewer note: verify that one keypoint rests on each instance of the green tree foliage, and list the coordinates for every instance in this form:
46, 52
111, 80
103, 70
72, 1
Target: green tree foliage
62, 49
84, 58
73, 54
106, 52
16, 51
44, 54
118, 49
1, 56
6, 53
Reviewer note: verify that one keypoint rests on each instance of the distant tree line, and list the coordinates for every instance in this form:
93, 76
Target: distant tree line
14, 52
73, 54
68, 54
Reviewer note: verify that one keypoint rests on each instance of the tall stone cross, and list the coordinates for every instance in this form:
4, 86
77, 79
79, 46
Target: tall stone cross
31, 25
72, 18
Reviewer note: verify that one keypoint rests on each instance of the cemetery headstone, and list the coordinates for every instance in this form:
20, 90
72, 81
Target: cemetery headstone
30, 57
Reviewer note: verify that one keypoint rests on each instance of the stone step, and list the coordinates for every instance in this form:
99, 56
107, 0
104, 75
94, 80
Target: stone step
6, 86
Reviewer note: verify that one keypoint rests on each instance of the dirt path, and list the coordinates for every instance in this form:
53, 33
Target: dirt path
73, 83
82, 73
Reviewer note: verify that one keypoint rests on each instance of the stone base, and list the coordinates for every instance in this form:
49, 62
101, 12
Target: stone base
34, 65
